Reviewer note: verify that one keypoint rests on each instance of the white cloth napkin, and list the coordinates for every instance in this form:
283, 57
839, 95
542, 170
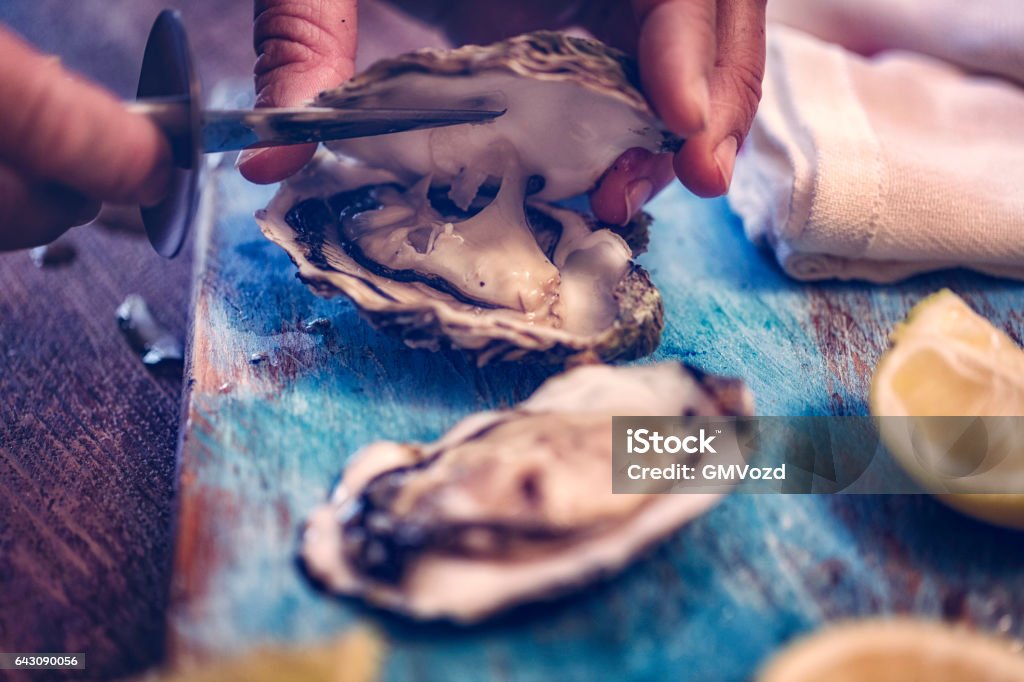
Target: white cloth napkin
881, 167
984, 36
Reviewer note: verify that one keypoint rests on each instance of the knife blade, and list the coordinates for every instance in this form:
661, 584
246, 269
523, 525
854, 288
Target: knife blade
227, 130
233, 129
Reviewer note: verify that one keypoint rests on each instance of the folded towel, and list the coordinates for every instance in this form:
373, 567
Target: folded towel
983, 36
881, 167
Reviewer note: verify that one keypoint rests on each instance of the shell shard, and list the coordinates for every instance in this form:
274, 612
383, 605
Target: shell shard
451, 237
509, 506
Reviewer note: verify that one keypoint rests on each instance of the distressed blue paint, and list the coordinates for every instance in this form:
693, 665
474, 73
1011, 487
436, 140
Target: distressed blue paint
265, 442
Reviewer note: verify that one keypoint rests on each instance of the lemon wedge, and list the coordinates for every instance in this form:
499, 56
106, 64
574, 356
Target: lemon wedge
946, 360
941, 396
896, 650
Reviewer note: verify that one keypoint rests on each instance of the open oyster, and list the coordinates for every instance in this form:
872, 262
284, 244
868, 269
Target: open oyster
450, 236
509, 506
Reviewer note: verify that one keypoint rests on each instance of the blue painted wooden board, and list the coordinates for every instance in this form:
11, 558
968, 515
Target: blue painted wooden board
264, 442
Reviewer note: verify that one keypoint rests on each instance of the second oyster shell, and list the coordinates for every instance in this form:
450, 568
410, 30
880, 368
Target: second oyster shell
508, 506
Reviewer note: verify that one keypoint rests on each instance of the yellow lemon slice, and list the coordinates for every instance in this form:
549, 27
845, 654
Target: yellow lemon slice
941, 396
896, 650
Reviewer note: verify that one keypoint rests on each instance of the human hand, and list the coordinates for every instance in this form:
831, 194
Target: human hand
302, 48
701, 64
67, 145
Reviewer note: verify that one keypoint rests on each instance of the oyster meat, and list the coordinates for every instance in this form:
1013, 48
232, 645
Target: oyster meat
452, 236
509, 506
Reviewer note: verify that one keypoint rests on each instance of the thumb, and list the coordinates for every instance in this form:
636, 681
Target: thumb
302, 48
705, 162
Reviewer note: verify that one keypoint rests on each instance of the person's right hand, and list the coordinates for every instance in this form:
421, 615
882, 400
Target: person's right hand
701, 64
66, 146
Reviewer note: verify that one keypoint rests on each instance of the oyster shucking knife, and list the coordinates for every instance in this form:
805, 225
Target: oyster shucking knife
169, 93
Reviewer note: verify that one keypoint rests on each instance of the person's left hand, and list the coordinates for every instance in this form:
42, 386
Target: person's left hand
302, 48
701, 65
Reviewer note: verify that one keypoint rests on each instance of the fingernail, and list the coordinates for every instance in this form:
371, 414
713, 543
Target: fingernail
637, 194
725, 157
247, 155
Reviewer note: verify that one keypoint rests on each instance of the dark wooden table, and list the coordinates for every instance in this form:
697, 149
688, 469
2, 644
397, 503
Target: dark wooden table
87, 434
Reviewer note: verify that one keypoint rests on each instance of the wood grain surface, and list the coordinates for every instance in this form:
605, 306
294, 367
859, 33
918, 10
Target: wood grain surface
278, 404
87, 434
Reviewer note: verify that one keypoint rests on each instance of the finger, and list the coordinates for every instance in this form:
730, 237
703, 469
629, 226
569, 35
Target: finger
631, 181
61, 129
33, 213
676, 51
705, 162
302, 48
274, 164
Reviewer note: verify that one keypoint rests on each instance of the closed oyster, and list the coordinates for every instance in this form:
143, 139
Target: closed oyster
509, 506
451, 237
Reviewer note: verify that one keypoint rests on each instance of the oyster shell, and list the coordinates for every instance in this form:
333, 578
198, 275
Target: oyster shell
450, 236
509, 506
